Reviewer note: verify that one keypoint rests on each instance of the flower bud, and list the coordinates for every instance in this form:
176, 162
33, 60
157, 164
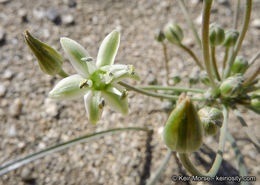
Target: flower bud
183, 131
232, 86
211, 119
255, 102
176, 79
204, 78
50, 61
216, 34
173, 33
231, 38
240, 65
159, 36
194, 77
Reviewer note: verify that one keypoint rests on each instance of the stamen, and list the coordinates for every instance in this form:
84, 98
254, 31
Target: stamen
124, 94
101, 104
85, 83
87, 59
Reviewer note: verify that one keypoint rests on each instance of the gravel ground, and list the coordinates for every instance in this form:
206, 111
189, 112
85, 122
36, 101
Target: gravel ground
29, 121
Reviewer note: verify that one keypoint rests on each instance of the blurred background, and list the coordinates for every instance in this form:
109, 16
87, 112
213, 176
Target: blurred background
29, 121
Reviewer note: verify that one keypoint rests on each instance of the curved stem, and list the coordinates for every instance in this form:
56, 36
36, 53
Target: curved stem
190, 52
12, 165
156, 95
241, 37
216, 165
205, 41
161, 168
214, 62
168, 88
252, 61
253, 75
166, 61
63, 74
189, 20
236, 14
239, 157
225, 60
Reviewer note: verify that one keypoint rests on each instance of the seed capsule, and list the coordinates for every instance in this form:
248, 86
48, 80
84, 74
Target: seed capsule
173, 33
231, 37
211, 119
240, 65
216, 34
232, 86
50, 61
183, 131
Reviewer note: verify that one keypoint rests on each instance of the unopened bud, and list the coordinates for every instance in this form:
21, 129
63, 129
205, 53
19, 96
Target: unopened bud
173, 33
216, 34
240, 65
231, 37
204, 78
183, 131
159, 36
232, 86
50, 61
176, 79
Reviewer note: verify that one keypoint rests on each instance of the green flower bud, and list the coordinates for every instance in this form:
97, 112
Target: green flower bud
194, 77
211, 119
216, 34
176, 79
183, 131
232, 86
231, 38
159, 36
173, 33
204, 78
50, 61
240, 65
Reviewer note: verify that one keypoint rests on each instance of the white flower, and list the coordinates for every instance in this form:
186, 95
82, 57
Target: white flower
96, 82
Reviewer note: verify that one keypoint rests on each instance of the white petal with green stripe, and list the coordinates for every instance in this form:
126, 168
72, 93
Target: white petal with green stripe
108, 49
68, 88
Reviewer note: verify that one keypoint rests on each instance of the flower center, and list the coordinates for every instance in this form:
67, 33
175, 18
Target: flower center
98, 79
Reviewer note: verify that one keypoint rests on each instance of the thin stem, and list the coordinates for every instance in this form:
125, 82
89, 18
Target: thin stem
161, 168
236, 15
214, 62
205, 40
12, 165
166, 61
190, 22
241, 37
239, 158
190, 52
63, 74
252, 61
225, 60
156, 95
252, 76
216, 165
168, 88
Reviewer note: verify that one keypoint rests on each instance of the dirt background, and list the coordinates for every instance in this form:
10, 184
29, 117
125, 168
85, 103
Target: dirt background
29, 121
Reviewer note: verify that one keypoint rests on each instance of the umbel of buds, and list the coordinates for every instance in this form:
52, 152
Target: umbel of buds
232, 86
183, 131
50, 61
231, 37
173, 33
216, 34
211, 119
240, 65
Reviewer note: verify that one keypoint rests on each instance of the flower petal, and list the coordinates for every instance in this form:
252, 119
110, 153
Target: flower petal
93, 105
108, 49
68, 88
76, 52
114, 98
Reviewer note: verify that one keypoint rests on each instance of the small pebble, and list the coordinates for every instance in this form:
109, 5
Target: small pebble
2, 90
72, 3
16, 108
256, 23
53, 15
68, 20
2, 37
39, 13
7, 75
23, 14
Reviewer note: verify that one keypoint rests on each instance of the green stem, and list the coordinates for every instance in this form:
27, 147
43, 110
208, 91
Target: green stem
252, 61
166, 61
225, 60
190, 22
190, 52
216, 165
205, 40
236, 14
12, 165
63, 74
239, 158
214, 62
156, 95
253, 75
161, 168
168, 88
241, 37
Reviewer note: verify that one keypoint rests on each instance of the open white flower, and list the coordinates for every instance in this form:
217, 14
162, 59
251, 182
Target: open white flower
96, 82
